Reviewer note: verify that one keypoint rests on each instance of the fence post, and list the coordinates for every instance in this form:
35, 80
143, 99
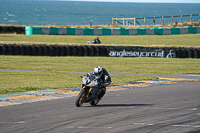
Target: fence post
134, 21
162, 20
181, 20
154, 20
144, 20
116, 21
123, 21
172, 19
190, 18
199, 18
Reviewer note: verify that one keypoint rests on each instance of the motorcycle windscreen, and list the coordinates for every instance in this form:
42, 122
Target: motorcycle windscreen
97, 76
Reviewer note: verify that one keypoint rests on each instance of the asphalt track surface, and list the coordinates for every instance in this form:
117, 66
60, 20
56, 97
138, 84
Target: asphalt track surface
169, 108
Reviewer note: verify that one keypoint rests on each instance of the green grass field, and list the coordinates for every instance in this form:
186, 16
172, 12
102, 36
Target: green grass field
184, 40
11, 82
112, 64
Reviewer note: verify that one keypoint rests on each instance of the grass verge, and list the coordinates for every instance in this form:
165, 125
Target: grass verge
11, 82
112, 64
183, 40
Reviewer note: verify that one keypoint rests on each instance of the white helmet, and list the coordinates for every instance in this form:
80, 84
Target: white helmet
98, 71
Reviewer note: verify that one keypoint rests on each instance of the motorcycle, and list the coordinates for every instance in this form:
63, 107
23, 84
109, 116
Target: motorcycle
92, 90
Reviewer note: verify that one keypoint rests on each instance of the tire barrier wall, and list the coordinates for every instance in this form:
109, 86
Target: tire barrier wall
12, 29
111, 31
111, 51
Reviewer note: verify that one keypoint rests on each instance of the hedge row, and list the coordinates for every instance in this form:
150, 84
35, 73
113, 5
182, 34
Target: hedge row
84, 50
12, 29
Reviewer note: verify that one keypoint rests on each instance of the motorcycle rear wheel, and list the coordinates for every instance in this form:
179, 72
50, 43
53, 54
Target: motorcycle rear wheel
80, 98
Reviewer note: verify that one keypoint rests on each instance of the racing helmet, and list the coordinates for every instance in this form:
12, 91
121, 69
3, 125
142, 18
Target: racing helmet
98, 71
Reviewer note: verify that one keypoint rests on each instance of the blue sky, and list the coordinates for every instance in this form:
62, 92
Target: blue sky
147, 1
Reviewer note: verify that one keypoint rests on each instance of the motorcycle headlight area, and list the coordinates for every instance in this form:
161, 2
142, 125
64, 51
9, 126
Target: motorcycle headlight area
88, 81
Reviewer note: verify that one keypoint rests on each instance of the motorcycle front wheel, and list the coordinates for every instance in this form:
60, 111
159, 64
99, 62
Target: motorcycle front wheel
80, 98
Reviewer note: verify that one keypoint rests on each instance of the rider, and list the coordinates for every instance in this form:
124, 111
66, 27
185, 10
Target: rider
104, 75
96, 41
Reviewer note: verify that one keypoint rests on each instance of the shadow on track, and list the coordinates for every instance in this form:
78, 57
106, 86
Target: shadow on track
120, 105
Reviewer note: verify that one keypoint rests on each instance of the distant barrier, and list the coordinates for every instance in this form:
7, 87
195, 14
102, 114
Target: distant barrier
12, 29
111, 31
98, 31
109, 51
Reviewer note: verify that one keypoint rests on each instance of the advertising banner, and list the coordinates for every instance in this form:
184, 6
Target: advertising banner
159, 53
